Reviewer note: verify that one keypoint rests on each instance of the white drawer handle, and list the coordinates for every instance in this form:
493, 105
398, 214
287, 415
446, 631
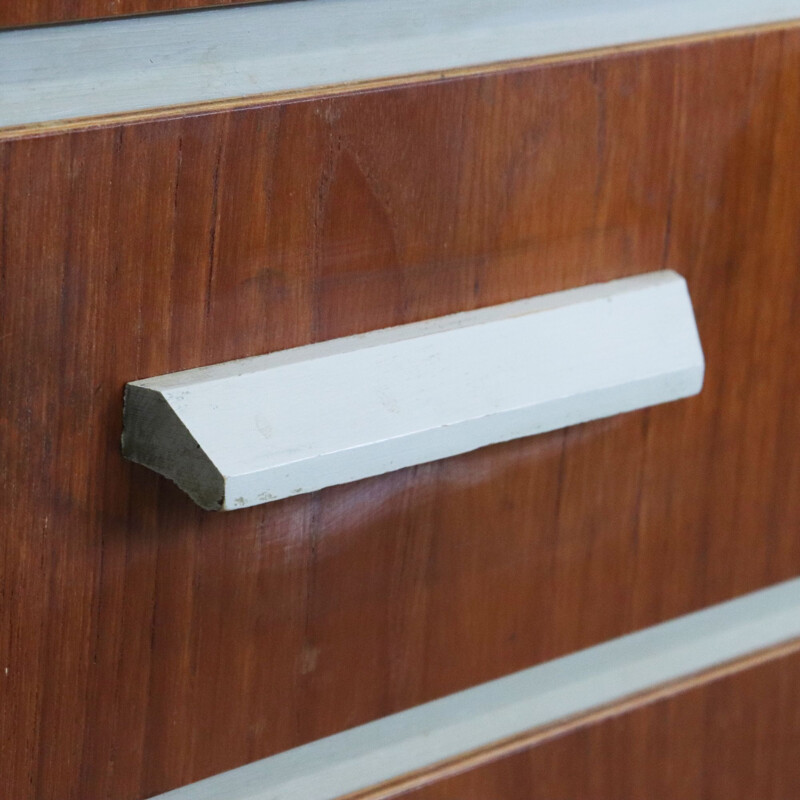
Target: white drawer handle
261, 429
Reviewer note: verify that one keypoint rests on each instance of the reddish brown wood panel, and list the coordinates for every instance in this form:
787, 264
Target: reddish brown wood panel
734, 739
16, 13
144, 643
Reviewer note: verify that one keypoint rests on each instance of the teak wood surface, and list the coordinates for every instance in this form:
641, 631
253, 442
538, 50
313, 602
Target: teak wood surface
732, 739
144, 643
16, 13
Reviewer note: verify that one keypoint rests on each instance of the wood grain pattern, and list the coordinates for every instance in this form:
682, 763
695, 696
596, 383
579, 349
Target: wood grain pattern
732, 739
15, 13
134, 628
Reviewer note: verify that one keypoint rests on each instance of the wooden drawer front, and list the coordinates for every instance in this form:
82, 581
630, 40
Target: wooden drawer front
41, 12
734, 739
137, 627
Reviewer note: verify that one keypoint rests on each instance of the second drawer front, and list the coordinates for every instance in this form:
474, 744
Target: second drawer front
149, 248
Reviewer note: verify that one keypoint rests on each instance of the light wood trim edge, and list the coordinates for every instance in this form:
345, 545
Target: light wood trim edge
166, 113
389, 756
537, 736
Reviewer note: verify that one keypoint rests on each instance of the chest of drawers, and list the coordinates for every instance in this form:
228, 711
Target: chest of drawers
145, 644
